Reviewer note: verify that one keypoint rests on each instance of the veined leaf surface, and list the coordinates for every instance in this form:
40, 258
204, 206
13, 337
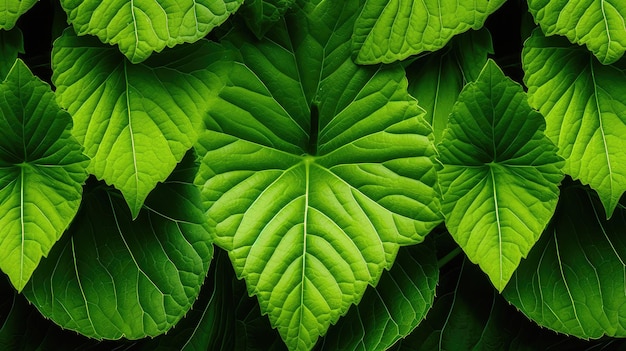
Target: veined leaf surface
391, 30
135, 121
574, 280
141, 27
500, 176
599, 24
111, 276
260, 15
42, 169
11, 10
315, 170
584, 103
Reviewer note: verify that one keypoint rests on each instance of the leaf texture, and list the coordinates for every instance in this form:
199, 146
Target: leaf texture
260, 15
11, 10
42, 169
598, 24
140, 28
500, 176
584, 103
314, 170
574, 280
135, 121
111, 276
391, 30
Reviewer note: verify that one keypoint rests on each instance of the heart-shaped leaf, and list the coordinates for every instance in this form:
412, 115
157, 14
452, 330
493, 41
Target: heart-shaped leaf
500, 176
314, 170
42, 169
141, 27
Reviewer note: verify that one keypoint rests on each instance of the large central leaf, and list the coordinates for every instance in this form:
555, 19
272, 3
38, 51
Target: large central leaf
315, 170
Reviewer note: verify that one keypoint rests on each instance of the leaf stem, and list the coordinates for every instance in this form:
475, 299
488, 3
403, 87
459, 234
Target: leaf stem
449, 257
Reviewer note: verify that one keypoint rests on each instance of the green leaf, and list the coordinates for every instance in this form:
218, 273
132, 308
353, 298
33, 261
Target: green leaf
11, 44
314, 170
392, 310
111, 276
574, 280
437, 79
42, 169
500, 174
584, 103
140, 28
391, 30
11, 10
135, 121
599, 24
260, 15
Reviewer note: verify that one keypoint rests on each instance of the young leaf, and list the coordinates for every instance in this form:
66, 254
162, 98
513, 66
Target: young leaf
599, 24
11, 44
500, 176
11, 10
437, 79
391, 30
112, 276
260, 15
391, 311
141, 27
135, 121
42, 169
584, 103
574, 280
314, 170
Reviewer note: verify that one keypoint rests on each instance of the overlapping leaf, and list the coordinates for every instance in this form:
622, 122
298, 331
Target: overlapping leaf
437, 79
574, 280
584, 103
140, 28
112, 276
392, 310
391, 30
135, 121
260, 15
11, 10
11, 43
42, 169
314, 169
599, 24
500, 174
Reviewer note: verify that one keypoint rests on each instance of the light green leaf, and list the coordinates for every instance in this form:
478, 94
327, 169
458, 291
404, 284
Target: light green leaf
437, 79
391, 311
140, 28
260, 15
574, 280
135, 121
11, 44
315, 170
500, 174
11, 10
111, 276
599, 24
42, 169
584, 103
391, 30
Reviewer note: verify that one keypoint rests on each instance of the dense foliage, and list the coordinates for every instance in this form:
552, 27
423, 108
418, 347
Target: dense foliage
312, 175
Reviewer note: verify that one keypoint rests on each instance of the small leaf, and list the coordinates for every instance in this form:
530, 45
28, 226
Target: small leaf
42, 169
391, 30
599, 24
574, 280
391, 311
141, 27
112, 277
314, 170
500, 174
260, 15
584, 103
11, 10
437, 79
135, 121
11, 44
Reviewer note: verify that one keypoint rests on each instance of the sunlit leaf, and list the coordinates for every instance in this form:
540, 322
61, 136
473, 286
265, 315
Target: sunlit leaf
500, 174
42, 169
11, 10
